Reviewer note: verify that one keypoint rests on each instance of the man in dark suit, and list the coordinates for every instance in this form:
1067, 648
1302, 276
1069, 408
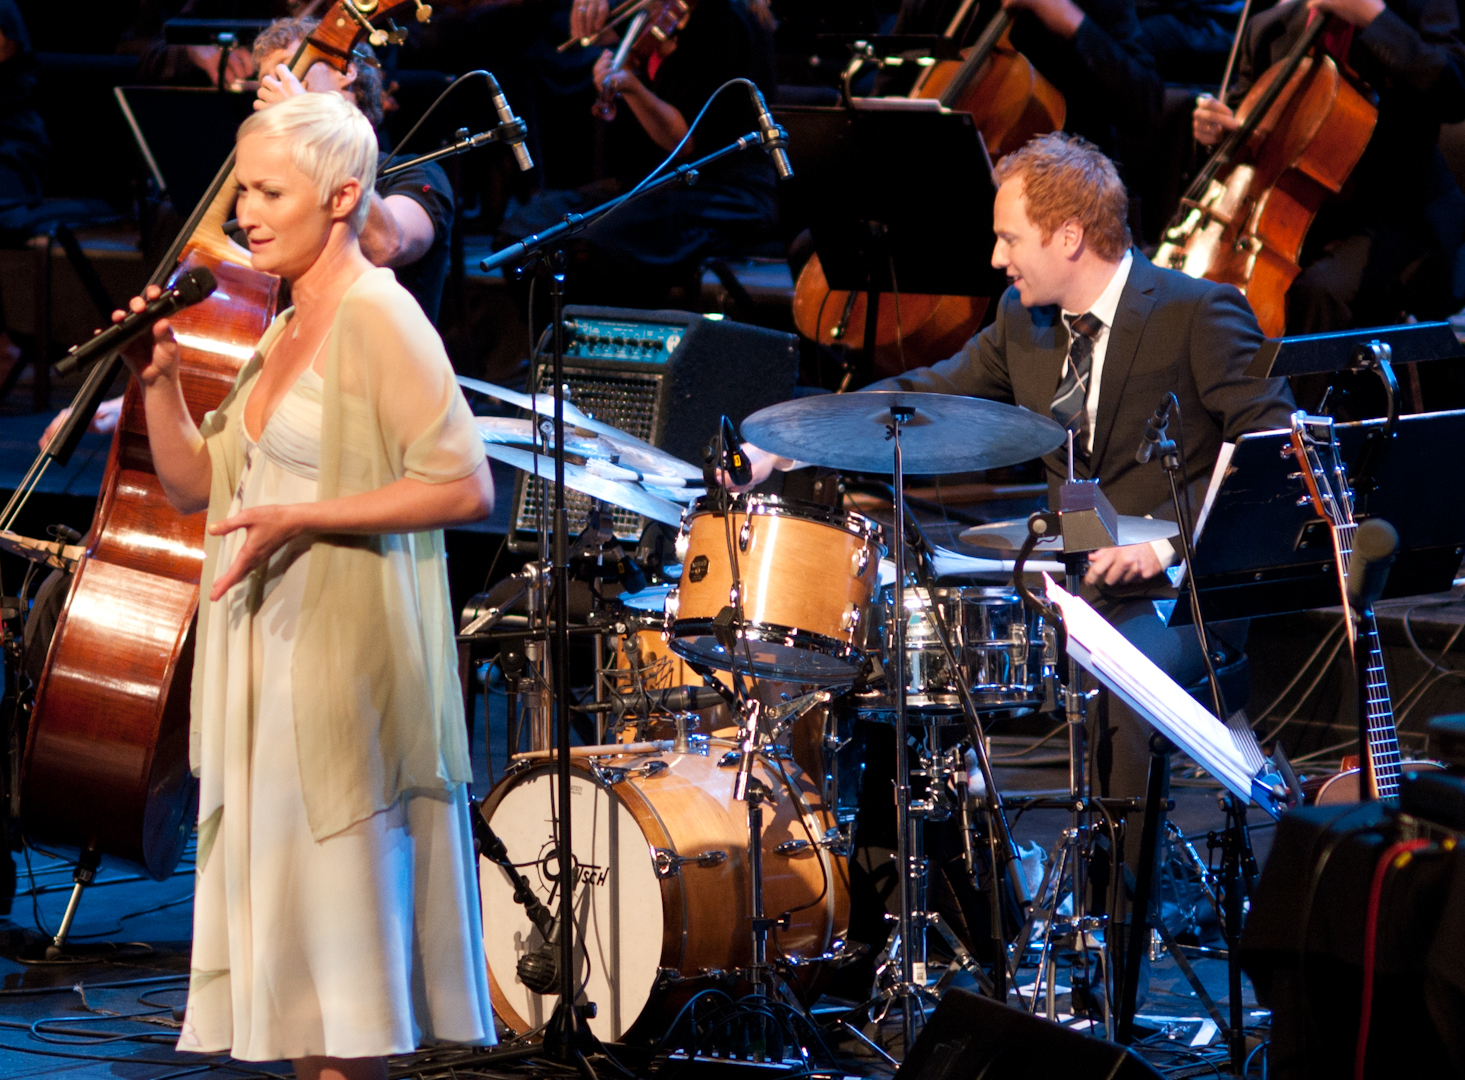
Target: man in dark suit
1094, 334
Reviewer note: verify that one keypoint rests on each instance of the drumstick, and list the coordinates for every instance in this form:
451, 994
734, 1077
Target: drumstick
604, 750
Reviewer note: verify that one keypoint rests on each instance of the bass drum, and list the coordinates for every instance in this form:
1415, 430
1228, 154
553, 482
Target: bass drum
662, 901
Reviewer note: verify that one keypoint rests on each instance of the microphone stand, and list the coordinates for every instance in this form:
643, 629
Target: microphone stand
512, 132
567, 1037
1236, 850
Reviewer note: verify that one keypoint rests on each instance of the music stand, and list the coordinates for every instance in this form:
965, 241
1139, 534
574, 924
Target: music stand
1261, 553
899, 195
159, 116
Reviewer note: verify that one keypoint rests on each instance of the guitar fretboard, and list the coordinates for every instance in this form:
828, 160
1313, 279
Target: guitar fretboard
1382, 763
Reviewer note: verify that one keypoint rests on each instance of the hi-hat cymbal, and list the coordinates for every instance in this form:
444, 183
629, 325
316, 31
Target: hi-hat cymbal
645, 464
946, 433
600, 480
625, 442
1010, 535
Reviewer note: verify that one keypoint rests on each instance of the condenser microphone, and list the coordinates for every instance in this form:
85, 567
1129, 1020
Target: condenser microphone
188, 289
1155, 430
508, 119
774, 138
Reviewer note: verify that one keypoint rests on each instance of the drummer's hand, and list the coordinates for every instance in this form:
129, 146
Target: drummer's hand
1062, 17
104, 420
1122, 565
268, 528
1357, 12
1211, 120
762, 464
151, 357
587, 17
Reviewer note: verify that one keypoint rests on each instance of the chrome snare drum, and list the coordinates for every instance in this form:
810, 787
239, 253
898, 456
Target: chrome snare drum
998, 644
807, 573
1003, 645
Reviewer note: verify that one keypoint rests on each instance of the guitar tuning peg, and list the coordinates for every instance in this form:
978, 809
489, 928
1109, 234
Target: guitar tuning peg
378, 38
395, 34
424, 11
1305, 500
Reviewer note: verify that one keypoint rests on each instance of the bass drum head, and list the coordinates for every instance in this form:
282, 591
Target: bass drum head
618, 906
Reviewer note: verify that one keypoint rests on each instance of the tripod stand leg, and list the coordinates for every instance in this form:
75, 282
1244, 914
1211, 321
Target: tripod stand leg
1157, 799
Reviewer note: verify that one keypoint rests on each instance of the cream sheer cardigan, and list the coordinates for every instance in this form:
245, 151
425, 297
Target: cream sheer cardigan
377, 708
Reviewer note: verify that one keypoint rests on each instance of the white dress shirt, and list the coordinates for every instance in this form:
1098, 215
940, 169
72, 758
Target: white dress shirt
1104, 309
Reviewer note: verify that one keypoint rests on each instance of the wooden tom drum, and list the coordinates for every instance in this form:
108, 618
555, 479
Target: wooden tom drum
807, 573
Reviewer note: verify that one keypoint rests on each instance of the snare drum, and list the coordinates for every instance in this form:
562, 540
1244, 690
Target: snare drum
662, 884
807, 574
998, 643
1003, 649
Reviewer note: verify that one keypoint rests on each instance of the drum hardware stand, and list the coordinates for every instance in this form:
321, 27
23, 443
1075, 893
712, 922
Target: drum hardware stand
1001, 849
1091, 520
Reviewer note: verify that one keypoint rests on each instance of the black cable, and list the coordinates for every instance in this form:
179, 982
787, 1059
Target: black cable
397, 151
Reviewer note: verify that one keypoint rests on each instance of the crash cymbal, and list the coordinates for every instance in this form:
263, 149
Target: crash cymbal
947, 433
1009, 535
650, 466
625, 442
598, 479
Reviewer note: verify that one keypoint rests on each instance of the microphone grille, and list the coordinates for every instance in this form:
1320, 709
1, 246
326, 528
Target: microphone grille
1375, 539
195, 285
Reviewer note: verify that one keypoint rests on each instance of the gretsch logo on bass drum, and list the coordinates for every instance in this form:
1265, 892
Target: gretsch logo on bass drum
697, 569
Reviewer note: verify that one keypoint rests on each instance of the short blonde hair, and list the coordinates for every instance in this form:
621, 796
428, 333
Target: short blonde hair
330, 142
1066, 178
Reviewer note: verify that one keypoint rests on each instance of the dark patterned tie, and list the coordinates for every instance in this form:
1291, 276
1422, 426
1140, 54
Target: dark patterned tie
1070, 402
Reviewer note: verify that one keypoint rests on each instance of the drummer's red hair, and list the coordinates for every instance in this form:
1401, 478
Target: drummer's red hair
1065, 178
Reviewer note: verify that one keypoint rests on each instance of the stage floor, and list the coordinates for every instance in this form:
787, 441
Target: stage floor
114, 1015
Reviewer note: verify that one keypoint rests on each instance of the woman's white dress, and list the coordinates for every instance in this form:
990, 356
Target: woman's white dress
363, 944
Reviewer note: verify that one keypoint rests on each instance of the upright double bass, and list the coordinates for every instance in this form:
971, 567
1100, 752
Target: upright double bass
1011, 102
106, 758
1303, 127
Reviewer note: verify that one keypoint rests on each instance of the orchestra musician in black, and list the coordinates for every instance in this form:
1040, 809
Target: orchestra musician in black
1392, 244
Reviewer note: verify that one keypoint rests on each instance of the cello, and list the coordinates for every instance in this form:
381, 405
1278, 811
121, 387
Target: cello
106, 763
1011, 102
1302, 129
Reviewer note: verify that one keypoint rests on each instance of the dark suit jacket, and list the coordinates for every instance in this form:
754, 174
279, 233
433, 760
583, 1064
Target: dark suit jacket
1170, 332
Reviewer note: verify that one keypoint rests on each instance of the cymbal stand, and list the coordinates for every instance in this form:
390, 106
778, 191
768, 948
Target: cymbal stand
1081, 932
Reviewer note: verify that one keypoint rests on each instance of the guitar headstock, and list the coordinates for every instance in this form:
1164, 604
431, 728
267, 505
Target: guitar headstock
346, 23
1321, 467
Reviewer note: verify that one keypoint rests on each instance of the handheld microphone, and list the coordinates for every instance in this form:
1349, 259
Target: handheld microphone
507, 118
774, 138
187, 290
1374, 544
1155, 430
734, 462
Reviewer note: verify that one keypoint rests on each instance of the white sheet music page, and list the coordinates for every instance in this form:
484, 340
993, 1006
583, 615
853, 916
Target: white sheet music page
1119, 665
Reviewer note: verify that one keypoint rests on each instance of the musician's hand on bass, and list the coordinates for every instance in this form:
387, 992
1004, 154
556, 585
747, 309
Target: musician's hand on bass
1061, 17
1211, 120
1357, 12
153, 356
587, 17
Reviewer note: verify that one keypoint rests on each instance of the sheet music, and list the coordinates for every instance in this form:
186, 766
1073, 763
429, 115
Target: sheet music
1126, 671
1223, 462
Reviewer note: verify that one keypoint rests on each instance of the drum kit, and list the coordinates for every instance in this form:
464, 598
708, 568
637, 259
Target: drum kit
738, 680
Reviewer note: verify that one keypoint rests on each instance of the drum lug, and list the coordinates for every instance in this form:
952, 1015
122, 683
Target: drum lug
850, 619
668, 977
861, 560
682, 544
673, 605
745, 535
668, 863
610, 777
